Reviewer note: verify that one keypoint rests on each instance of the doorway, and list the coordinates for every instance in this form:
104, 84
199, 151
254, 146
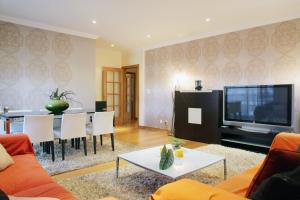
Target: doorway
112, 91
131, 93
120, 90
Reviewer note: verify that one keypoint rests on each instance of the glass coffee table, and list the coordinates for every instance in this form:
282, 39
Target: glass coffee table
192, 161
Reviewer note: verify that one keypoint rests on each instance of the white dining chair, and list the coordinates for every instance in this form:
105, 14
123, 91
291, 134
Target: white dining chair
2, 130
72, 126
39, 129
103, 123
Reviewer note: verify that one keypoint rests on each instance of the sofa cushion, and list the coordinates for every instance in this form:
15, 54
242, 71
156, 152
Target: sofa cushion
5, 159
277, 161
24, 174
280, 186
16, 144
47, 190
239, 184
192, 190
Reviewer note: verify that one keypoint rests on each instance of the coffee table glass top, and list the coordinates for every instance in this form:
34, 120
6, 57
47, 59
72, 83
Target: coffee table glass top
193, 160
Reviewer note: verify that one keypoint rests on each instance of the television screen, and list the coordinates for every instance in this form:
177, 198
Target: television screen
264, 104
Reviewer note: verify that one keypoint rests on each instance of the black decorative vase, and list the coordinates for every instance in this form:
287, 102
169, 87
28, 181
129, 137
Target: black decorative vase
198, 85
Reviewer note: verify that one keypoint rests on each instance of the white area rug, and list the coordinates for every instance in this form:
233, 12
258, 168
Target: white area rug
136, 183
75, 159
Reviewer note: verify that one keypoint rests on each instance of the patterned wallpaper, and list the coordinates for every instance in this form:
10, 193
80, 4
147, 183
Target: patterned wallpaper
33, 62
262, 55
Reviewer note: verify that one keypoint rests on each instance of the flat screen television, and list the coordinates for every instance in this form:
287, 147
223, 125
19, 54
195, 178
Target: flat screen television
262, 106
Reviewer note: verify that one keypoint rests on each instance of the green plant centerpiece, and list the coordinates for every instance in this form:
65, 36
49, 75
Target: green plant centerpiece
166, 158
59, 101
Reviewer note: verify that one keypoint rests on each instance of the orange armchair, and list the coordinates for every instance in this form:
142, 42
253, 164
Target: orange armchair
286, 141
234, 188
186, 189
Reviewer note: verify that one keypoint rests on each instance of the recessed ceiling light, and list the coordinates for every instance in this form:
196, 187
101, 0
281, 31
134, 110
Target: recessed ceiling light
112, 45
207, 19
94, 22
148, 36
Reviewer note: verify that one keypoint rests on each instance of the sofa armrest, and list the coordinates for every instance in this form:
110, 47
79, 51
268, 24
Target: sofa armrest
186, 189
286, 141
16, 144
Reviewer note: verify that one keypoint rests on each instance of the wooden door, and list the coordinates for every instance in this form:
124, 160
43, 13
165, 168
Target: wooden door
129, 97
112, 88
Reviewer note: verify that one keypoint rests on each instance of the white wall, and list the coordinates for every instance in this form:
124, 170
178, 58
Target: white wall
267, 54
34, 62
105, 57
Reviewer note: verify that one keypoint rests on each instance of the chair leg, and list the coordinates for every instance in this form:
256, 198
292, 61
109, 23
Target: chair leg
72, 142
77, 143
63, 149
44, 147
84, 145
48, 147
95, 143
112, 137
101, 140
52, 150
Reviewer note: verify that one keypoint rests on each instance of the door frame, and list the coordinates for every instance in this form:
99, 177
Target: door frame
137, 86
121, 103
132, 108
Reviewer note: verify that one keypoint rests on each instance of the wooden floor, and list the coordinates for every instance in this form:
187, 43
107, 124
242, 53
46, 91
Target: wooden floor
132, 134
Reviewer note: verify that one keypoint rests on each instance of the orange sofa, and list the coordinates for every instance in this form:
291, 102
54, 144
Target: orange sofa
234, 188
26, 177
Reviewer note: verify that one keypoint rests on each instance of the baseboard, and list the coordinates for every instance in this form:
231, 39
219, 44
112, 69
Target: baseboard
153, 128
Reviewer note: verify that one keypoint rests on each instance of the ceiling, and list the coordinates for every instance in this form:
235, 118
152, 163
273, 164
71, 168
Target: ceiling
127, 22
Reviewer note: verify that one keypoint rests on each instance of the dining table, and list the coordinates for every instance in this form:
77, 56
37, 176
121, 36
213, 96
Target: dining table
8, 116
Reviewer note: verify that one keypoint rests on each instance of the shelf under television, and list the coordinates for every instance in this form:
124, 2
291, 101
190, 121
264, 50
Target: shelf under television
255, 141
246, 143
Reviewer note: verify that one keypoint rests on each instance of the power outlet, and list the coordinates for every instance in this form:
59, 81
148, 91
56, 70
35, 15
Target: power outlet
166, 124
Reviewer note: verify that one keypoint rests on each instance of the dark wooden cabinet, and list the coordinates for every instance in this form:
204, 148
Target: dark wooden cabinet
210, 103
